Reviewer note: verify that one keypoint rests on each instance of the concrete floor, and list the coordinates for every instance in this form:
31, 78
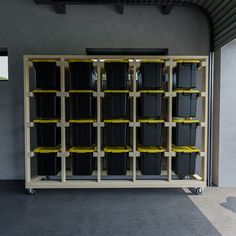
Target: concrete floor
118, 212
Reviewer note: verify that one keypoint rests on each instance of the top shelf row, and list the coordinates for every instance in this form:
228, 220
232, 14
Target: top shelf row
83, 74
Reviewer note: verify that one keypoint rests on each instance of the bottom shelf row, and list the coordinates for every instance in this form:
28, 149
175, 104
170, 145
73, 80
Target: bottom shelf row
116, 161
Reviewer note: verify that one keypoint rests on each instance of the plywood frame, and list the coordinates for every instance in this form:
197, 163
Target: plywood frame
37, 182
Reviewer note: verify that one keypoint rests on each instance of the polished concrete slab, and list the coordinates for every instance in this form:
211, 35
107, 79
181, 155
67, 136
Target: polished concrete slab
219, 206
110, 212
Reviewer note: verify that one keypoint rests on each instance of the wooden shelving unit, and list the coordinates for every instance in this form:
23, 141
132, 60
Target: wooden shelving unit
97, 180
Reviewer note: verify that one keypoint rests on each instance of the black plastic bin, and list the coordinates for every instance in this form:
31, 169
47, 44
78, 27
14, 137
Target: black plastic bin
82, 75
116, 133
47, 104
185, 103
48, 134
150, 160
47, 74
117, 75
47, 161
184, 134
150, 75
185, 75
150, 132
82, 160
185, 161
150, 104
82, 133
116, 104
82, 105
116, 160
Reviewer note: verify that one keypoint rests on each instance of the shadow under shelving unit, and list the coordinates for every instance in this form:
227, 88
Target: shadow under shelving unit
167, 179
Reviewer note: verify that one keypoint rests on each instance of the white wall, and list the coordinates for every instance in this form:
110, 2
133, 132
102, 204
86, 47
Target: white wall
225, 104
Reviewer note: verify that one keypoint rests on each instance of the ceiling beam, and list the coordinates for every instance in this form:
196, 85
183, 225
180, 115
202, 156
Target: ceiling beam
120, 9
166, 10
59, 8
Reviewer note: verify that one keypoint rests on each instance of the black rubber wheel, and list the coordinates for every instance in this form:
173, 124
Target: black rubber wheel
31, 191
199, 191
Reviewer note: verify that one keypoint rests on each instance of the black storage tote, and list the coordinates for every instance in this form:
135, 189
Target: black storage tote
150, 160
48, 134
82, 104
116, 160
185, 75
82, 133
116, 104
47, 161
47, 74
117, 75
150, 75
150, 132
183, 164
116, 133
185, 103
47, 104
150, 104
82, 74
184, 134
82, 160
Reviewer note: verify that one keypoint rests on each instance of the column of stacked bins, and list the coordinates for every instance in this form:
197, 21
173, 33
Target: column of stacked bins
47, 103
116, 118
150, 109
184, 112
82, 116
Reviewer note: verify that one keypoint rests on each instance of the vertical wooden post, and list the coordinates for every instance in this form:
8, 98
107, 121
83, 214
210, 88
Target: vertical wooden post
169, 65
63, 120
99, 81
134, 119
205, 120
27, 120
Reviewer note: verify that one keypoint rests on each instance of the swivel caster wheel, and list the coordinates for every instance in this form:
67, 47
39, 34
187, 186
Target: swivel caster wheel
199, 191
31, 191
